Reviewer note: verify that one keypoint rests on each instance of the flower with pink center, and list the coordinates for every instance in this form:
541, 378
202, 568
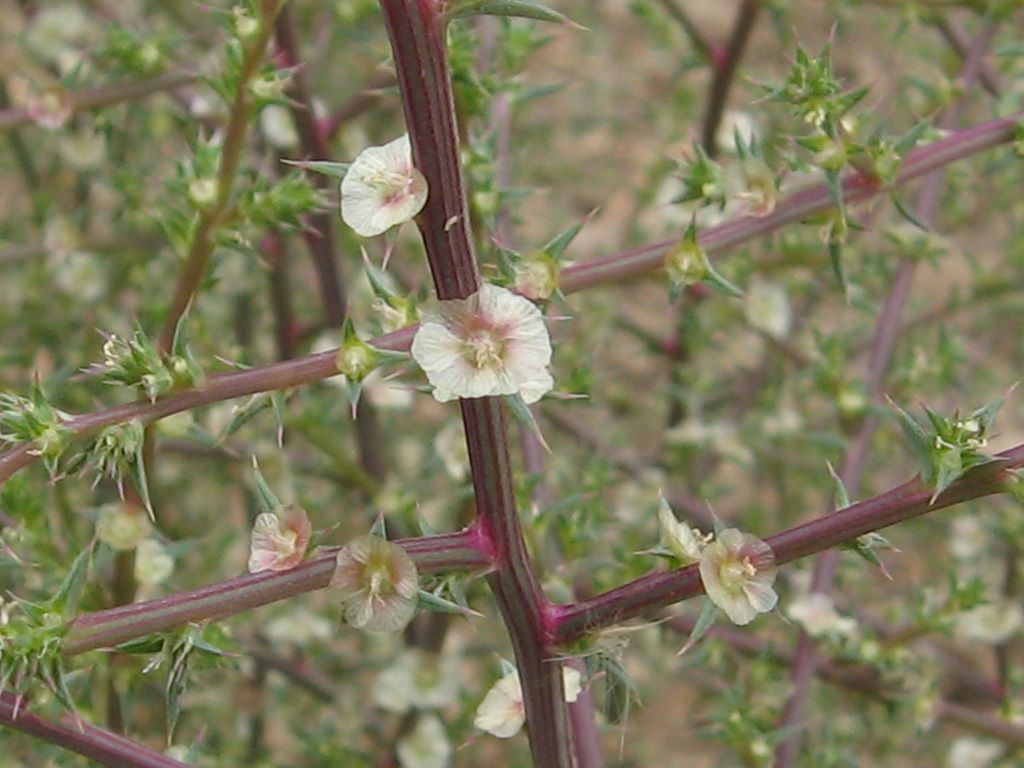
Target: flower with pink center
382, 189
378, 584
491, 343
279, 539
738, 571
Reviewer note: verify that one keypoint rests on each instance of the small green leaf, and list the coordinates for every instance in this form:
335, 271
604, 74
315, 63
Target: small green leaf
66, 600
839, 488
524, 9
708, 614
919, 441
428, 601
268, 502
909, 215
327, 168
522, 413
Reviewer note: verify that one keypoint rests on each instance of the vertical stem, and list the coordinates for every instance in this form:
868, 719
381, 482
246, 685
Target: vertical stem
725, 71
192, 273
417, 35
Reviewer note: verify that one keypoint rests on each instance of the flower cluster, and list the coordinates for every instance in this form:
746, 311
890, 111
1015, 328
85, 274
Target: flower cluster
737, 569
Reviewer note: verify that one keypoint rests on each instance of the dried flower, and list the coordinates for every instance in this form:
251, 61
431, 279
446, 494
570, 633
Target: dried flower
501, 713
279, 539
378, 583
738, 571
492, 343
382, 189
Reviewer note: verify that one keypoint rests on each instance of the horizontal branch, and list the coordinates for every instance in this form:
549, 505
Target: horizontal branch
905, 501
104, 629
104, 96
799, 205
97, 744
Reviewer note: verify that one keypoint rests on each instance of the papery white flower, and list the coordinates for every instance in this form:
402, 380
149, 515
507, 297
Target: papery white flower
501, 713
767, 308
426, 746
492, 343
382, 188
121, 529
153, 563
279, 539
968, 752
417, 680
378, 584
686, 543
815, 612
992, 623
738, 571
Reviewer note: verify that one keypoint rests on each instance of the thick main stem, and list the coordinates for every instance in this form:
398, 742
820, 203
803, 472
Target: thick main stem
417, 35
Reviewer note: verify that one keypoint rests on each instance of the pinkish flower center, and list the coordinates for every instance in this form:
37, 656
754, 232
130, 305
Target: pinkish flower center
483, 349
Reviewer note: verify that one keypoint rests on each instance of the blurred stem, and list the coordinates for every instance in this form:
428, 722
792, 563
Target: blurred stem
96, 744
417, 35
851, 470
674, 9
725, 71
319, 235
232, 145
104, 96
801, 204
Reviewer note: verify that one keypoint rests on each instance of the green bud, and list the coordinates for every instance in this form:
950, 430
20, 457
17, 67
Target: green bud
686, 262
356, 359
536, 276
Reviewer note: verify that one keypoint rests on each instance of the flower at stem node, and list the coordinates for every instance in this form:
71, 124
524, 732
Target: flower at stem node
738, 571
378, 584
279, 539
491, 343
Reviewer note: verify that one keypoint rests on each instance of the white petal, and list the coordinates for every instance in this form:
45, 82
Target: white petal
501, 712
